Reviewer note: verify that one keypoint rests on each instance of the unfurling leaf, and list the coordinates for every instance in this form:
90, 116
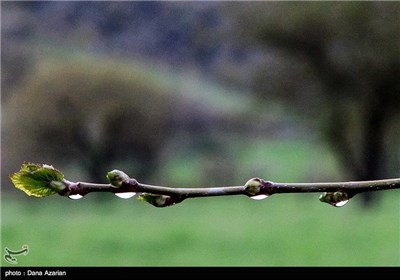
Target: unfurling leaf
38, 179
253, 186
336, 199
116, 178
158, 200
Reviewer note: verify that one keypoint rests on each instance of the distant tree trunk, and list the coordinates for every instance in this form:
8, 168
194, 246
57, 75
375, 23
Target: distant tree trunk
373, 148
381, 107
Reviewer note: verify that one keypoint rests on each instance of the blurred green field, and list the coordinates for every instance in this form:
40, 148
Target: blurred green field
282, 230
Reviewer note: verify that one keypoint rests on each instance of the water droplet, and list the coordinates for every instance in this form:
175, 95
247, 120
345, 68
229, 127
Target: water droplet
125, 194
75, 196
259, 197
337, 199
340, 203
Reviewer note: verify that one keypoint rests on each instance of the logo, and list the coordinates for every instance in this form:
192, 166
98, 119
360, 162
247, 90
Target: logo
9, 255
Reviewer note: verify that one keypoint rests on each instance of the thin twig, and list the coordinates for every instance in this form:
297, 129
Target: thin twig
255, 187
42, 180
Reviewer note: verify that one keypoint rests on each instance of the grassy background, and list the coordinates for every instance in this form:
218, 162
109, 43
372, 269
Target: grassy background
282, 230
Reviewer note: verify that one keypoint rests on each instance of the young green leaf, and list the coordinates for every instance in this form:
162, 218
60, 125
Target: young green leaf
116, 178
38, 179
336, 199
158, 200
253, 186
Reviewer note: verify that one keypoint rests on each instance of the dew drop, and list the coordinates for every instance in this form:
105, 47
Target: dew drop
340, 203
75, 196
125, 194
259, 197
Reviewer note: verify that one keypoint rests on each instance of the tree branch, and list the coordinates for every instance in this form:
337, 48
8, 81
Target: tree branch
43, 180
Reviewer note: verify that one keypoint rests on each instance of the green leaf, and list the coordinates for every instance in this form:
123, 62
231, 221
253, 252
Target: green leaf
38, 179
116, 178
337, 199
158, 200
253, 186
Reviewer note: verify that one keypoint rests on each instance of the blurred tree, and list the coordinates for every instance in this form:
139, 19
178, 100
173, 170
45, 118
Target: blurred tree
339, 63
16, 57
93, 111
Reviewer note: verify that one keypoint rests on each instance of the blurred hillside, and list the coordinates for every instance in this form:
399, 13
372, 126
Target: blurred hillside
186, 35
174, 91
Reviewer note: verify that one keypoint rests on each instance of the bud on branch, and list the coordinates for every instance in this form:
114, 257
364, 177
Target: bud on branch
41, 180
